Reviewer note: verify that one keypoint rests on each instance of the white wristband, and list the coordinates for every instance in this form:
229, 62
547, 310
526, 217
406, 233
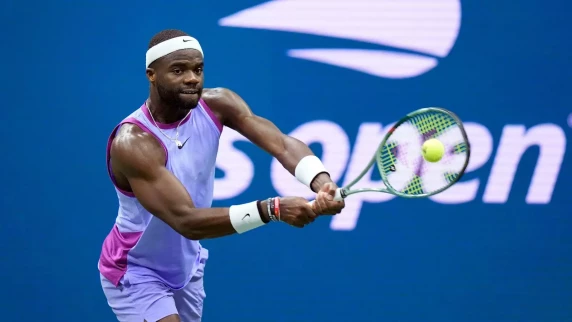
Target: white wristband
245, 217
308, 168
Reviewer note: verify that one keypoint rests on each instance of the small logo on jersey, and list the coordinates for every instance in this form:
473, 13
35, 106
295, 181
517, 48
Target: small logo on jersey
183, 144
185, 40
247, 215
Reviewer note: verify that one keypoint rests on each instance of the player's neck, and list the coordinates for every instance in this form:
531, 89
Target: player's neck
163, 113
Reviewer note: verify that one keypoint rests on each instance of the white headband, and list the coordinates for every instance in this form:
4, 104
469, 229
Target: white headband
168, 46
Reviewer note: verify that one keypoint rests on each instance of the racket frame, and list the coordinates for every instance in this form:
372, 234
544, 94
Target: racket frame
346, 190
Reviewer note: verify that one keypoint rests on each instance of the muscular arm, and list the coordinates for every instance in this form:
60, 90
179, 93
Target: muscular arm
236, 114
140, 159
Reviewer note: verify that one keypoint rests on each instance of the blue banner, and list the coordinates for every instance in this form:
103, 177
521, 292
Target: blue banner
335, 74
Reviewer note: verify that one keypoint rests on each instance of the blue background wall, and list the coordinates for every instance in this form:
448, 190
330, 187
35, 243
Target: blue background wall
72, 70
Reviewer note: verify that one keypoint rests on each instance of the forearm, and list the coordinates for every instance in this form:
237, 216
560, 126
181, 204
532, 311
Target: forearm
294, 151
206, 223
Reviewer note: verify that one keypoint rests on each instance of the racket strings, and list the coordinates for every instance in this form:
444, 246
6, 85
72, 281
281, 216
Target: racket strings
401, 160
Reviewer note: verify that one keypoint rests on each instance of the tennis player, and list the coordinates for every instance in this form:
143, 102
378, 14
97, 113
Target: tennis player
161, 159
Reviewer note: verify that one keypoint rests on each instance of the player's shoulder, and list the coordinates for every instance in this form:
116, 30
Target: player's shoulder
224, 102
135, 149
218, 96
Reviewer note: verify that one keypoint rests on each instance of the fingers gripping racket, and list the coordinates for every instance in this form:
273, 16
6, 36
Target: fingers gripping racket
400, 158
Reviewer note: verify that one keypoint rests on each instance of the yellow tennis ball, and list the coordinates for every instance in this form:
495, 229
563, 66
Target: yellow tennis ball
433, 150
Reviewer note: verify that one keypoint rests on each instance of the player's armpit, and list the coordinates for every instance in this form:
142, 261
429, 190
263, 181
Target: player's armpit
140, 158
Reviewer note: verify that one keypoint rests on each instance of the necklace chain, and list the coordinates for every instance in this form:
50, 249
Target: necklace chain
176, 139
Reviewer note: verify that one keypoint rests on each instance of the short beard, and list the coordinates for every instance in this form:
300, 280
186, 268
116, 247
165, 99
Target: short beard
172, 99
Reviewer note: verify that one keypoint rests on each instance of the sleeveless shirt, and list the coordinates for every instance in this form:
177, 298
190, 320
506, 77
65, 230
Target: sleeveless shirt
140, 247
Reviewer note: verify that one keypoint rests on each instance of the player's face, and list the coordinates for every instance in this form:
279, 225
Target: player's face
180, 78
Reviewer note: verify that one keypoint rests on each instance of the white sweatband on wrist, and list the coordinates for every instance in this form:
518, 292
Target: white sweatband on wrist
308, 168
245, 217
168, 46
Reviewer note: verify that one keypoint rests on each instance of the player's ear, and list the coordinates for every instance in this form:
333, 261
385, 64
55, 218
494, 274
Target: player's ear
150, 74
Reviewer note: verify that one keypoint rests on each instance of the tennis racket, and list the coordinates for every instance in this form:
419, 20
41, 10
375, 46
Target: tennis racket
399, 157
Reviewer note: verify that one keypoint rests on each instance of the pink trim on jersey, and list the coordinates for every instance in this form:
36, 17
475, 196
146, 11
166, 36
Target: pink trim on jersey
131, 120
163, 126
212, 115
113, 258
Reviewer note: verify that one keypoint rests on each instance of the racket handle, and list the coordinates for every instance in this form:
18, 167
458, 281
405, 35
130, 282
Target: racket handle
337, 196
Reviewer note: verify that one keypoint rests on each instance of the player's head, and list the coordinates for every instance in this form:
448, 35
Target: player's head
175, 68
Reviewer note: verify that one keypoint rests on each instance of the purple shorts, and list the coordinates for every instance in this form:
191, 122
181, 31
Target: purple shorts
154, 300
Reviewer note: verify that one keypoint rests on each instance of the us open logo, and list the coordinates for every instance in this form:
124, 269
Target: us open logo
413, 35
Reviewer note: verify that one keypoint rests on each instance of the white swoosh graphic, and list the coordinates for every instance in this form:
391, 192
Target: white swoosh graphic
428, 27
374, 62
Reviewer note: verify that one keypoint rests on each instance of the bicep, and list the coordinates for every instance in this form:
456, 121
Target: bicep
162, 194
237, 115
261, 132
140, 159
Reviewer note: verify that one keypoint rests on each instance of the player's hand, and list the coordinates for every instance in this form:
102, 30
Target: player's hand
325, 204
295, 211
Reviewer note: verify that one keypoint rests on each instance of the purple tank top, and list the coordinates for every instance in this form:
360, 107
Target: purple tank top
141, 247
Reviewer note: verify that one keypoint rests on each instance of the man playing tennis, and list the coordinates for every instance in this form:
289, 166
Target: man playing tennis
161, 159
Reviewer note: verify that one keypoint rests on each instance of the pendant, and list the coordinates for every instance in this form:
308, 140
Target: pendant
179, 144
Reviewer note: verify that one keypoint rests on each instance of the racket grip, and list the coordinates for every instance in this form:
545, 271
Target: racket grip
337, 196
